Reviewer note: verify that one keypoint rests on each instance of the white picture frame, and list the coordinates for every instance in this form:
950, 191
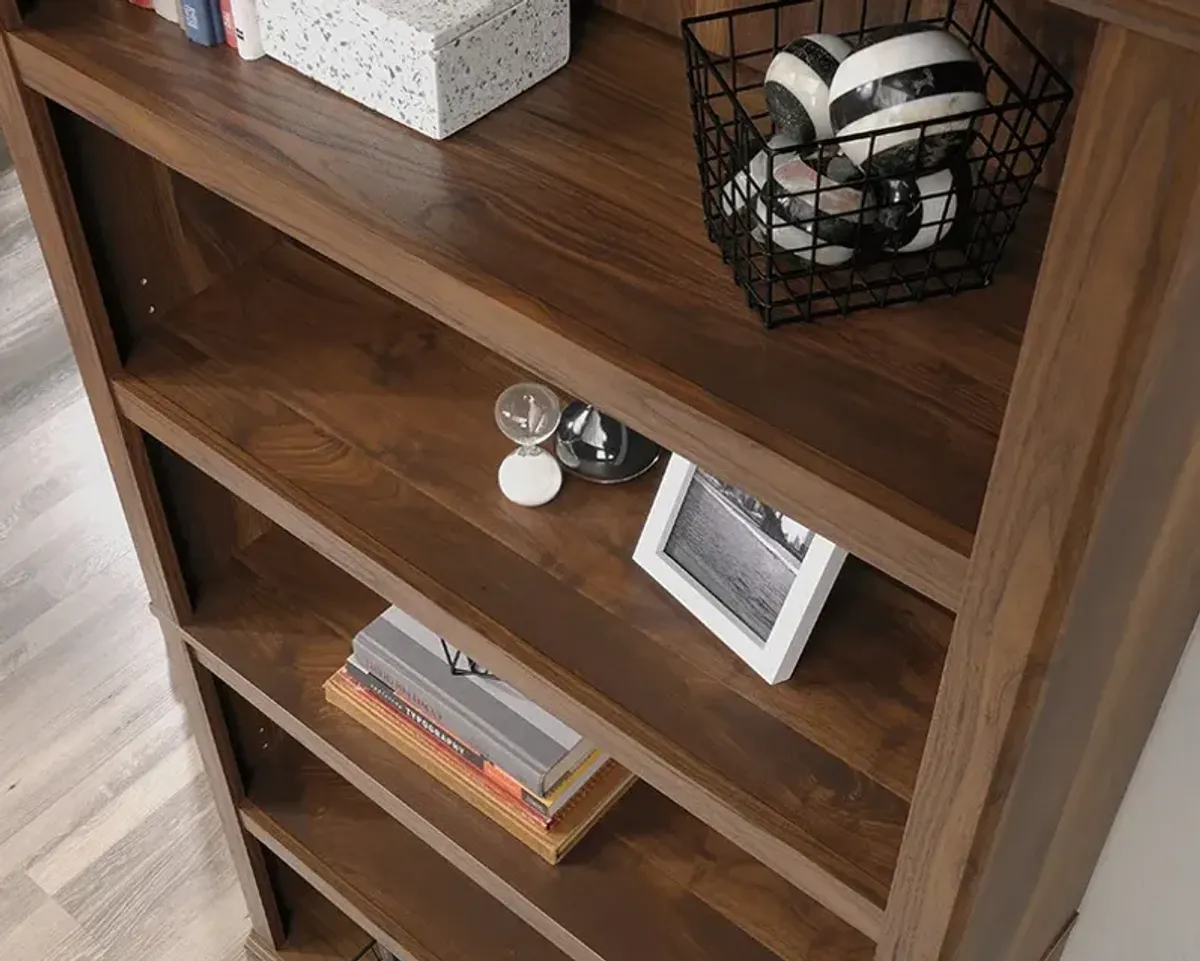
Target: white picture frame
768, 624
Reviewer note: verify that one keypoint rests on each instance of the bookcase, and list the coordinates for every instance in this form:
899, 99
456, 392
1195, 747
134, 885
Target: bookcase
292, 317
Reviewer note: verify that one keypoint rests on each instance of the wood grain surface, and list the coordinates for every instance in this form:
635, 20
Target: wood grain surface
649, 881
564, 232
389, 382
1085, 582
389, 430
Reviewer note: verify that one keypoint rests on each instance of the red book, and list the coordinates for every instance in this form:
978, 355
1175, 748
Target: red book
147, 4
227, 21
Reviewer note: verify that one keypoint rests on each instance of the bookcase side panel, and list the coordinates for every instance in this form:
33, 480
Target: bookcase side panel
1080, 593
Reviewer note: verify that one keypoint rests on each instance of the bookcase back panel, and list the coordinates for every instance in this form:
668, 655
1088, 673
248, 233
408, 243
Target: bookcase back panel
157, 239
208, 523
316, 930
254, 736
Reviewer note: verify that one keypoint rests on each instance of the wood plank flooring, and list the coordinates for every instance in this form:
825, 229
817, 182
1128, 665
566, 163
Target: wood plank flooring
110, 847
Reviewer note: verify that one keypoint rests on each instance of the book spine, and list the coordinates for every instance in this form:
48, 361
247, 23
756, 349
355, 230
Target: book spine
202, 22
227, 24
445, 743
482, 767
540, 739
413, 687
245, 23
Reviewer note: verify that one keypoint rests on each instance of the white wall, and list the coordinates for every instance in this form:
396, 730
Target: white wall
1143, 903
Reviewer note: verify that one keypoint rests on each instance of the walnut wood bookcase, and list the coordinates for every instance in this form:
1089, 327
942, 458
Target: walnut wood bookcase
292, 317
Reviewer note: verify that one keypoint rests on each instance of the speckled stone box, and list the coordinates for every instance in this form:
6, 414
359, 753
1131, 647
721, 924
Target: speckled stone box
434, 65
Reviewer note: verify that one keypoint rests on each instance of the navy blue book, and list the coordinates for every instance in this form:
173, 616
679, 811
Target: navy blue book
202, 22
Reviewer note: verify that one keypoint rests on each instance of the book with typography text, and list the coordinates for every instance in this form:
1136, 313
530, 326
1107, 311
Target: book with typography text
497, 721
202, 22
543, 807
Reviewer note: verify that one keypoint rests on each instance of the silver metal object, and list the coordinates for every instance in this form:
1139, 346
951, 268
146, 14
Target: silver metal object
599, 448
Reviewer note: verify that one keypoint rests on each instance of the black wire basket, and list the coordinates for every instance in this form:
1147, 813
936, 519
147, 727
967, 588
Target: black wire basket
842, 258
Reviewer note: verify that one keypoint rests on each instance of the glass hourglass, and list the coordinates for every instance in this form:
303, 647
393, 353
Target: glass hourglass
528, 414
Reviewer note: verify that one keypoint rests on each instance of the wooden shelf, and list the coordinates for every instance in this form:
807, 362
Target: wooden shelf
364, 428
648, 882
563, 232
382, 877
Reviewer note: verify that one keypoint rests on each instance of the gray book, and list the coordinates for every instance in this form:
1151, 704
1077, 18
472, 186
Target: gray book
533, 746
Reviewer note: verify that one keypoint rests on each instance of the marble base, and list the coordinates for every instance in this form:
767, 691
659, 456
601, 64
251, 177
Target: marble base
433, 65
530, 480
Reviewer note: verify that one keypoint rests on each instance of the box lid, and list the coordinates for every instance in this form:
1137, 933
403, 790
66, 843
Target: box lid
434, 23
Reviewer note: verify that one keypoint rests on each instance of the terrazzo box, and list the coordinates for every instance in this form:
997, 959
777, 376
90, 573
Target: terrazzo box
434, 65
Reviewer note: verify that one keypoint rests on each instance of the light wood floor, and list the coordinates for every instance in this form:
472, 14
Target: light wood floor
110, 849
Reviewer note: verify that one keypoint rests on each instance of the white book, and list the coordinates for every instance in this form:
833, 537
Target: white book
245, 22
167, 9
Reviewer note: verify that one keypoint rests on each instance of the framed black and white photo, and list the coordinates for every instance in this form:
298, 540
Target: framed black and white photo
751, 575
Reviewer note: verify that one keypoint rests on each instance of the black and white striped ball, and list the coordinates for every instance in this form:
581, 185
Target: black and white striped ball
745, 185
797, 86
823, 227
918, 213
917, 73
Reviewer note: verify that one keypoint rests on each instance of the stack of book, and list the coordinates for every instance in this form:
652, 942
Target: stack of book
513, 761
213, 22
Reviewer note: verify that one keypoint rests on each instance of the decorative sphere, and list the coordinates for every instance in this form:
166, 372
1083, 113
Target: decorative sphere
918, 213
797, 86
819, 214
917, 73
743, 188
